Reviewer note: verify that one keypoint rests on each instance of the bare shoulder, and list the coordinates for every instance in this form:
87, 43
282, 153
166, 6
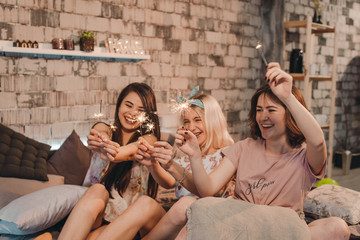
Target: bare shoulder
101, 127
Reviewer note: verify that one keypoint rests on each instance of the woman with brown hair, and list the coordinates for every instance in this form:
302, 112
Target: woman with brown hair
122, 180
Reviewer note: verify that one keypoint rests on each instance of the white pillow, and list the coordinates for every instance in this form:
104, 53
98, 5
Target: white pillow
39, 210
331, 200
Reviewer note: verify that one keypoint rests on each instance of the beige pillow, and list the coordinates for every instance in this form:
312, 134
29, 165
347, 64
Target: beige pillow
224, 218
24, 186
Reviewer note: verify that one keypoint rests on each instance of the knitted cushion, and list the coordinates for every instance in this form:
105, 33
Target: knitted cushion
21, 156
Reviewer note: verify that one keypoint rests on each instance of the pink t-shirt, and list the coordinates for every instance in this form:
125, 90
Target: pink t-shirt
271, 180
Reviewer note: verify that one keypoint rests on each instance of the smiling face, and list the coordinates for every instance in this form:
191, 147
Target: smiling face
193, 122
270, 117
130, 108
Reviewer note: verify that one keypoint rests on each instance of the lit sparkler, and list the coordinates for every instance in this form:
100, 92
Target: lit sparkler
259, 48
100, 114
113, 127
145, 123
178, 106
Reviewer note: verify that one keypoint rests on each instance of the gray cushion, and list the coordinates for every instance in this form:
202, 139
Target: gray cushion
21, 156
331, 200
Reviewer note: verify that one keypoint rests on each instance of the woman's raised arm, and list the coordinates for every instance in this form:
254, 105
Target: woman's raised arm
281, 84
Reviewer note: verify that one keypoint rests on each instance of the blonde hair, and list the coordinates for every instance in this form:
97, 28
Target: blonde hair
217, 135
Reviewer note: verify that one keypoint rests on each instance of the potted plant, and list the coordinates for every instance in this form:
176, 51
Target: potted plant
87, 41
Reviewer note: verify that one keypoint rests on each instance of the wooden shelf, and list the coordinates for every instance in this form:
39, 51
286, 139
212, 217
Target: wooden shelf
45, 51
301, 77
311, 29
315, 27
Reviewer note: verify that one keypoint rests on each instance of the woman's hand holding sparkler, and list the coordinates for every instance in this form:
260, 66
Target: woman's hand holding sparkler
280, 81
187, 143
163, 153
95, 140
100, 143
109, 150
143, 155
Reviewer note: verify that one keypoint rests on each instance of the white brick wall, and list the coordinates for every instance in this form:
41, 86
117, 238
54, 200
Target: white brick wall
205, 43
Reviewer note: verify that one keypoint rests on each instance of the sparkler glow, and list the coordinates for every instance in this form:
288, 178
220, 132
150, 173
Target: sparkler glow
113, 127
259, 48
145, 123
98, 115
179, 106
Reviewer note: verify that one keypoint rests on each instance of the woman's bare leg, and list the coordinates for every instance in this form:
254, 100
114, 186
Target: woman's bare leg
182, 234
94, 234
87, 214
329, 228
141, 216
173, 221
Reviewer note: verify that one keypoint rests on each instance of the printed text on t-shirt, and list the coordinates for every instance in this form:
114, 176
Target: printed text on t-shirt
260, 184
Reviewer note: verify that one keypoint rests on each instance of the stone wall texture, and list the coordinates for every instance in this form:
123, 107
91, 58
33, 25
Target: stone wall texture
190, 42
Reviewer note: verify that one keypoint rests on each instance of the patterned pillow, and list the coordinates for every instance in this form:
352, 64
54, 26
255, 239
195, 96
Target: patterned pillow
331, 200
21, 156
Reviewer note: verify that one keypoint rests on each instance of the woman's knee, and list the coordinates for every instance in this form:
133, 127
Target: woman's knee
340, 228
179, 208
96, 195
147, 204
330, 228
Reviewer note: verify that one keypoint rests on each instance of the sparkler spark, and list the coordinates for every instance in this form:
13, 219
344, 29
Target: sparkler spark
113, 127
259, 48
179, 106
141, 118
145, 123
98, 115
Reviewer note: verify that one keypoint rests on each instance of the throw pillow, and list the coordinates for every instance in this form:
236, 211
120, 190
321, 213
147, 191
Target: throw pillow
39, 210
71, 160
332, 200
225, 218
22, 157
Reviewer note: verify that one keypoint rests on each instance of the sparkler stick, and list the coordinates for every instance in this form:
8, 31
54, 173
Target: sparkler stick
100, 114
259, 48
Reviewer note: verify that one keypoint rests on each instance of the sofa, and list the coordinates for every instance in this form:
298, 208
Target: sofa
39, 187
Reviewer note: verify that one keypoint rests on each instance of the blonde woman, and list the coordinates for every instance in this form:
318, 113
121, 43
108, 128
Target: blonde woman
205, 120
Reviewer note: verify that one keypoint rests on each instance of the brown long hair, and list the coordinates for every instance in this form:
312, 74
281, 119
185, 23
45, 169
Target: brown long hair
294, 135
119, 174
